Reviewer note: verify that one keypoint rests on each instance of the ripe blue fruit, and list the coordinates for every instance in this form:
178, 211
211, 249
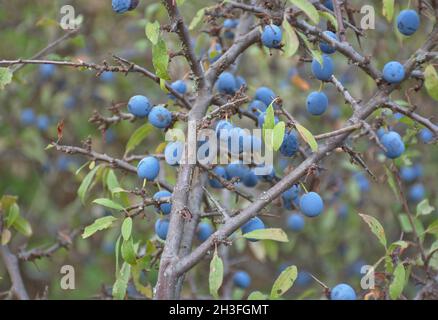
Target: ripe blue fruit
250, 179
160, 117
70, 102
295, 222
240, 82
335, 113
139, 106
204, 231
408, 174
162, 228
27, 116
290, 144
408, 22
215, 183
426, 135
236, 170
121, 6
265, 95
253, 224
343, 210
214, 52
236, 140
47, 70
107, 76
417, 192
328, 4
393, 72
231, 23
342, 292
223, 125
43, 122
291, 194
325, 47
393, 144
261, 119
256, 107
173, 152
252, 144
226, 83
324, 72
271, 36
362, 181
303, 278
179, 86
311, 204
317, 103
166, 207
148, 168
242, 279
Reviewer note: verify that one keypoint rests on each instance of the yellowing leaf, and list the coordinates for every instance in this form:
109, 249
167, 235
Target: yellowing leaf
216, 275
267, 234
291, 42
375, 227
431, 81
308, 8
307, 136
284, 282
197, 19
5, 77
388, 9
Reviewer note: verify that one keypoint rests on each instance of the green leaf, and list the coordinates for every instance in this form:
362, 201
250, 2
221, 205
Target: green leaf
284, 282
328, 16
13, 214
197, 19
267, 234
308, 8
128, 252
404, 222
375, 227
433, 228
424, 208
121, 284
117, 252
308, 137
160, 59
388, 9
152, 31
398, 244
257, 295
291, 42
431, 81
109, 204
278, 133
138, 136
316, 54
216, 275
127, 228
5, 77
112, 182
269, 117
23, 226
398, 282
391, 182
83, 188
98, 225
